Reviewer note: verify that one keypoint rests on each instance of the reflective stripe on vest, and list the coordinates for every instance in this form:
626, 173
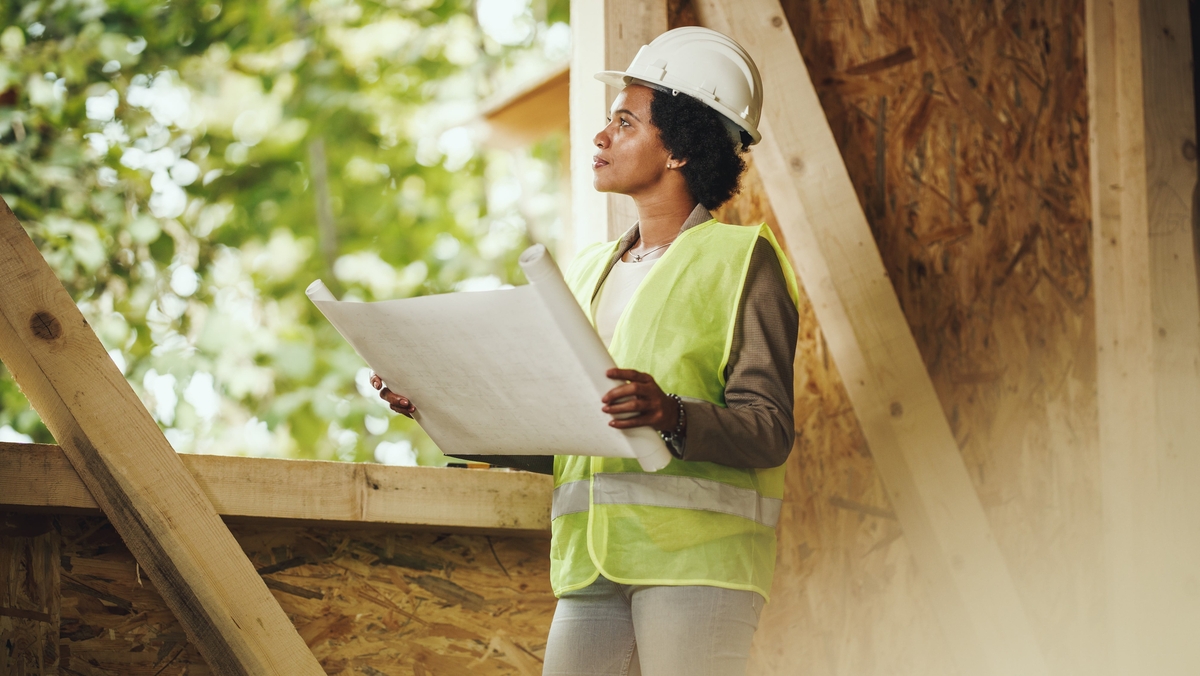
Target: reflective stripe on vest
662, 490
569, 498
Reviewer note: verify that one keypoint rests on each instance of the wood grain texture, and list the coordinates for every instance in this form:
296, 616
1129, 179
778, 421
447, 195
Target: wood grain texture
981, 220
628, 25
1171, 185
367, 601
30, 599
132, 472
829, 240
498, 502
984, 231
1142, 139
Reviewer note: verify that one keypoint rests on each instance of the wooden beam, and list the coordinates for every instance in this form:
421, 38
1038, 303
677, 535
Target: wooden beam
530, 114
134, 475
1143, 165
338, 493
589, 209
605, 35
628, 25
968, 582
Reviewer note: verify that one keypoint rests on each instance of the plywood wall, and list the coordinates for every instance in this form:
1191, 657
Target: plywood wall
368, 602
964, 129
963, 125
29, 597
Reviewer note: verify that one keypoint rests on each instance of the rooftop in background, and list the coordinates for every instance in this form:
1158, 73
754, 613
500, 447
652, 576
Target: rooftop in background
530, 113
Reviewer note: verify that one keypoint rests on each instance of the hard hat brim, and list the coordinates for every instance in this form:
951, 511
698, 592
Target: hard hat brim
614, 78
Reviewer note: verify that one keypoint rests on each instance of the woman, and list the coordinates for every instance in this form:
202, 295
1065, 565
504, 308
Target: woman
666, 573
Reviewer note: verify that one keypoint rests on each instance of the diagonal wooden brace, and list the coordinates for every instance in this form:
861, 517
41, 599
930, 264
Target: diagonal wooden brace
134, 474
834, 253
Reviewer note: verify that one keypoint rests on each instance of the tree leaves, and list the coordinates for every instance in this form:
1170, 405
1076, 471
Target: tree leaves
161, 156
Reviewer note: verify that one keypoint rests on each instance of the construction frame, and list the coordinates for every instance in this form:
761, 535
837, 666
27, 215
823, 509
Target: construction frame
992, 216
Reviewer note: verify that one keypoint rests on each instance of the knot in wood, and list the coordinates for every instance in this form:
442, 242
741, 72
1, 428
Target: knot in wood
45, 326
776, 21
897, 409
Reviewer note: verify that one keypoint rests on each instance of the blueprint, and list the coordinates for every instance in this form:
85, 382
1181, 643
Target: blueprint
515, 371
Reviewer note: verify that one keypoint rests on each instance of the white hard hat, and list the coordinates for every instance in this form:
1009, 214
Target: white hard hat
703, 64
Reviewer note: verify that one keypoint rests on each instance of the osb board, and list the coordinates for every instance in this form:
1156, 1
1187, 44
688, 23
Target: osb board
370, 602
29, 596
845, 599
964, 129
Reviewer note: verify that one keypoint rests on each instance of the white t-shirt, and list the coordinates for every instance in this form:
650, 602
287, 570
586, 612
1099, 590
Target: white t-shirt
615, 294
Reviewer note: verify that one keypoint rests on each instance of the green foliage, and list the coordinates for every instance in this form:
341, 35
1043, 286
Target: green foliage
166, 159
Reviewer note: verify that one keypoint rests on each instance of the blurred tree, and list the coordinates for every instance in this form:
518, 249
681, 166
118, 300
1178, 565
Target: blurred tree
188, 167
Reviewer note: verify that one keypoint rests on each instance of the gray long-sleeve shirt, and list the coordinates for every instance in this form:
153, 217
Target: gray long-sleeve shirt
755, 429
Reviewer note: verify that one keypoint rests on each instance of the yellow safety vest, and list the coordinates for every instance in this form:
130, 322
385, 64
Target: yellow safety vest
690, 523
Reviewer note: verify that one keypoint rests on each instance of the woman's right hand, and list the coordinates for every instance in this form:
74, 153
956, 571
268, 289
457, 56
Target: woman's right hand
398, 403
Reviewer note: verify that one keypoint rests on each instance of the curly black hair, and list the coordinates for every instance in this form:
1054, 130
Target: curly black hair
694, 132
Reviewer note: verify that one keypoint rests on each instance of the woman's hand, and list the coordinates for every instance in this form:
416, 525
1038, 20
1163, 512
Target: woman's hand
398, 403
641, 397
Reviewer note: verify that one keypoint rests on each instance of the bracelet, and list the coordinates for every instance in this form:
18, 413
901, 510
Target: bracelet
681, 424
674, 438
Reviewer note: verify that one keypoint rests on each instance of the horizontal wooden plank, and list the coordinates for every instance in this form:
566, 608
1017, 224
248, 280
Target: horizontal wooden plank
496, 501
135, 476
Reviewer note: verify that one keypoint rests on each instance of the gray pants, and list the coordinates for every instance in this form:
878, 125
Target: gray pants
610, 629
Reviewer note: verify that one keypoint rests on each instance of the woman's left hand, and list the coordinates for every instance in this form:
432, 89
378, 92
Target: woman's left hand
641, 396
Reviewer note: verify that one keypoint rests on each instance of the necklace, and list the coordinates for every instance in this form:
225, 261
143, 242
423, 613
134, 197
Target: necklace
637, 258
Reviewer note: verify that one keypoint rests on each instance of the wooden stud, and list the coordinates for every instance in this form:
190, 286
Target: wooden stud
970, 588
615, 31
589, 209
1143, 165
486, 501
628, 25
134, 474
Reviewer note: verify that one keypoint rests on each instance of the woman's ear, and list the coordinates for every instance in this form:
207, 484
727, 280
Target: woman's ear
675, 163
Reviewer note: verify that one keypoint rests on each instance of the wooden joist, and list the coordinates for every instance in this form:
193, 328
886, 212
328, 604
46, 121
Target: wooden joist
969, 586
1143, 165
39, 477
616, 30
134, 474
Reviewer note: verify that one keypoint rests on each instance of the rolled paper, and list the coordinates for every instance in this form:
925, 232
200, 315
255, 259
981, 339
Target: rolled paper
318, 291
546, 277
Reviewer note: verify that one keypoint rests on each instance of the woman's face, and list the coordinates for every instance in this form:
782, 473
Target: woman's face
630, 158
